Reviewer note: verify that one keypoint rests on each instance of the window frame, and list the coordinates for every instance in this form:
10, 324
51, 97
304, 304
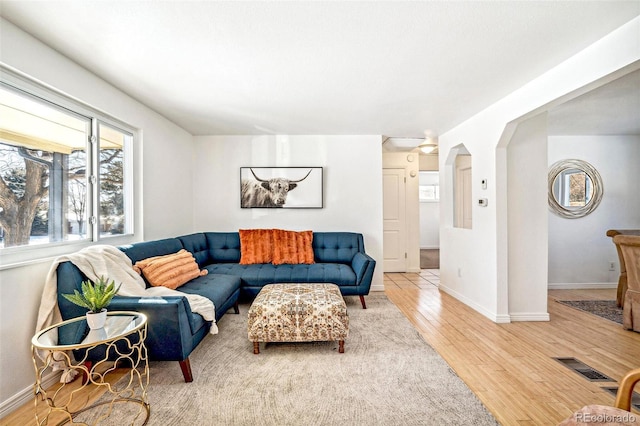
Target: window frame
28, 254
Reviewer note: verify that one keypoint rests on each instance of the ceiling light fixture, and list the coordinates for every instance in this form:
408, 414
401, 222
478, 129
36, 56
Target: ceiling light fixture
430, 144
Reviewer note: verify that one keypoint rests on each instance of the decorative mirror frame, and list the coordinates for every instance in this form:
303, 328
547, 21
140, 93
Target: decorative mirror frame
596, 182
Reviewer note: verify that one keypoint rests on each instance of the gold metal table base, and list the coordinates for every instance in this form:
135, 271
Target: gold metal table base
122, 350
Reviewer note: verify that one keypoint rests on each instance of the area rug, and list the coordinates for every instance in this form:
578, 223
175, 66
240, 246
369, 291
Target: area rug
603, 308
388, 375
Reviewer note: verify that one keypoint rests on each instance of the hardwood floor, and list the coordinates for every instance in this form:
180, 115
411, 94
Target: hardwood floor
508, 366
25, 415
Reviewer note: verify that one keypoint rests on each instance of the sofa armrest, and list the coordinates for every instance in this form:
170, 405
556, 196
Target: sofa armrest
170, 325
363, 266
155, 307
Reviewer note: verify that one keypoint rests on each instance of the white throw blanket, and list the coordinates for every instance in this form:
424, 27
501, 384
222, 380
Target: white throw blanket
108, 261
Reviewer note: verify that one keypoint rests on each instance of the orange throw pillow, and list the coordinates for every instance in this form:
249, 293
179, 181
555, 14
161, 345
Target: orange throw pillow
256, 246
292, 247
172, 270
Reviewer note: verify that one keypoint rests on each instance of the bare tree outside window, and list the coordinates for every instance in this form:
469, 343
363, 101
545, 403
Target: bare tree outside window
45, 187
577, 189
22, 188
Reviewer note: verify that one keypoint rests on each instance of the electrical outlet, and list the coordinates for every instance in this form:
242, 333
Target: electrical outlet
612, 266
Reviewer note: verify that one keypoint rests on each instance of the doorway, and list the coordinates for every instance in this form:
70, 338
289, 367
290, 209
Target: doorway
394, 220
429, 198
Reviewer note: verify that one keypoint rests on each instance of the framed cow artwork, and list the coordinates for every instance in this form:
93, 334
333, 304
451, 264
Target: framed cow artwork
281, 187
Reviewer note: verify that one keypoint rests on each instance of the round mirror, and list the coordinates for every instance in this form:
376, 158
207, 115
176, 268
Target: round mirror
575, 188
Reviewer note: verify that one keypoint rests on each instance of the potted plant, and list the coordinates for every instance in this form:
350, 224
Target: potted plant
95, 296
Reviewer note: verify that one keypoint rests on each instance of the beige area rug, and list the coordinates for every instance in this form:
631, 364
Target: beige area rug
388, 375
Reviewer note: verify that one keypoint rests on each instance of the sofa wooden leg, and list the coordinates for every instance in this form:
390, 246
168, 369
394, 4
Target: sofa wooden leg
85, 374
256, 348
236, 308
341, 346
364, 305
185, 366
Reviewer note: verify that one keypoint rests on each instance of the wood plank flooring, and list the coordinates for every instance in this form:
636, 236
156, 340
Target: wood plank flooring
25, 415
509, 366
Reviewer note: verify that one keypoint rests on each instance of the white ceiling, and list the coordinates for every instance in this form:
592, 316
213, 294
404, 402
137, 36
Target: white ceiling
612, 109
387, 67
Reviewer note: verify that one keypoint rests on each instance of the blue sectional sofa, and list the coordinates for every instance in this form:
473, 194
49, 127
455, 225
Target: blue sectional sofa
174, 330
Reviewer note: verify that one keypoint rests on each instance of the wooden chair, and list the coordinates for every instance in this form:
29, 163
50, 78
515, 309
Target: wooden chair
630, 247
620, 411
622, 279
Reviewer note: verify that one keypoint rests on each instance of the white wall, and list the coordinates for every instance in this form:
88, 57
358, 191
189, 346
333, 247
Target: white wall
474, 264
429, 162
579, 250
527, 220
429, 215
167, 196
352, 185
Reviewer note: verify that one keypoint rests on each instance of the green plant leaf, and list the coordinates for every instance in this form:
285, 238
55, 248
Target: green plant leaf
95, 295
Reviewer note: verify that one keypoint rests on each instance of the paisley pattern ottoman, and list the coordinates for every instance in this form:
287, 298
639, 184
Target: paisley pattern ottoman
298, 313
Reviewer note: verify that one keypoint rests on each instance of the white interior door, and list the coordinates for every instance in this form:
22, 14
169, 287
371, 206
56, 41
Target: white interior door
463, 200
467, 204
394, 217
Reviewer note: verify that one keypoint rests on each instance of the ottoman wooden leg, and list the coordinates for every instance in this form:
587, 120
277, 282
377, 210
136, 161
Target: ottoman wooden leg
256, 348
341, 346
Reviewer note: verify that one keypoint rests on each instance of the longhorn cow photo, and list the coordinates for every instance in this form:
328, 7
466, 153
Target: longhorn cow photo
271, 187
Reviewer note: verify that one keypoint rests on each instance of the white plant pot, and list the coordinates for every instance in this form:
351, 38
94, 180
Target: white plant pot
96, 320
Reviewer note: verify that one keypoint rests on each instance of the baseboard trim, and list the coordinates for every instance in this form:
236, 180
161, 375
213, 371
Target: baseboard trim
377, 287
579, 286
26, 395
498, 319
530, 316
430, 248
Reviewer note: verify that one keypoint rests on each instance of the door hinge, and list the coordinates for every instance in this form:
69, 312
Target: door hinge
405, 179
405, 255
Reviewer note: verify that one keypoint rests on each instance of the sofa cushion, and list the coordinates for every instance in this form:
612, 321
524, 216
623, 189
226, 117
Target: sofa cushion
337, 247
266, 273
224, 247
215, 287
196, 244
292, 247
171, 270
256, 246
144, 250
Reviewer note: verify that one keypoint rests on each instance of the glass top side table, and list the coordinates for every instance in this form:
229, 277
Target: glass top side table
95, 354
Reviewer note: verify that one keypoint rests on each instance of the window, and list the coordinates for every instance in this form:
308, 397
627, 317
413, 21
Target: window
64, 171
573, 188
113, 201
429, 188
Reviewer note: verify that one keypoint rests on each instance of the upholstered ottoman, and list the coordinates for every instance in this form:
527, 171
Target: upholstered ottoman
298, 313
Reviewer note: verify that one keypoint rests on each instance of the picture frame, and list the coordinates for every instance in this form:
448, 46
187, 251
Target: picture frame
281, 187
